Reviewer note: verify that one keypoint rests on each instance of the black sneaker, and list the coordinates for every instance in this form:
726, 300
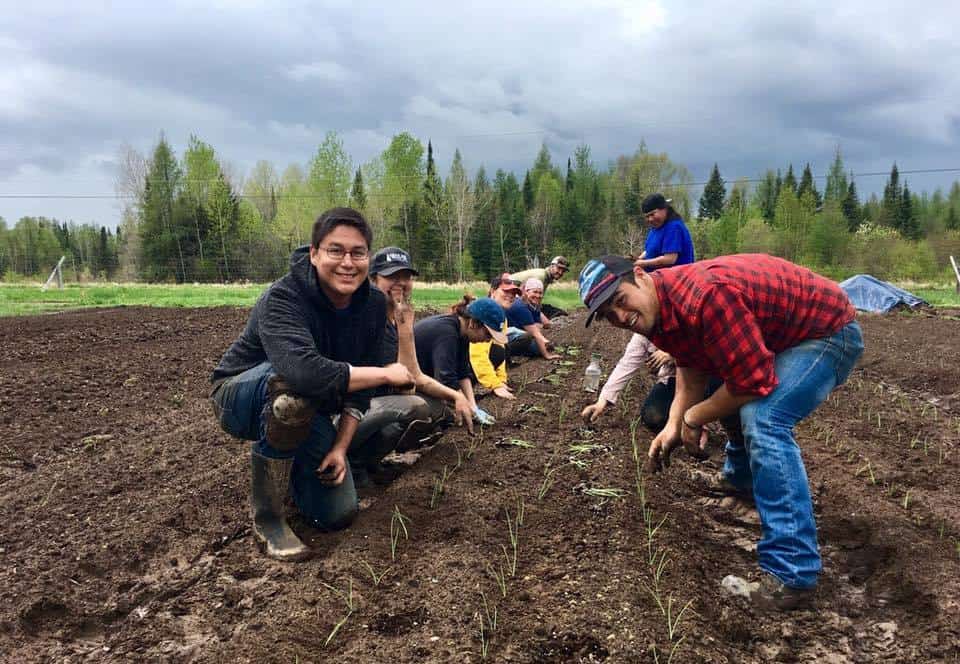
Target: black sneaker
773, 595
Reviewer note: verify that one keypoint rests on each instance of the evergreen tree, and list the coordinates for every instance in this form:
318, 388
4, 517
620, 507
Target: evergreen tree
765, 197
789, 181
711, 202
528, 198
430, 252
358, 195
892, 197
808, 186
162, 228
953, 220
851, 207
481, 240
908, 226
569, 182
836, 187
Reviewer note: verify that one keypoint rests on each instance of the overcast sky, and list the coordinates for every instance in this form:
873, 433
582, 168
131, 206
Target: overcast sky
750, 85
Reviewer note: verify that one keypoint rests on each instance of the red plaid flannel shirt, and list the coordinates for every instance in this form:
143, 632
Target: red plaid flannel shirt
730, 316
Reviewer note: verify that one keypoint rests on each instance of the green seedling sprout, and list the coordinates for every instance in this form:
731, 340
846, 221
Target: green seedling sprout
583, 448
438, 488
499, 578
673, 650
373, 573
600, 492
661, 561
483, 637
673, 621
513, 527
515, 442
348, 600
906, 500
582, 464
867, 467
546, 483
398, 528
491, 615
476, 442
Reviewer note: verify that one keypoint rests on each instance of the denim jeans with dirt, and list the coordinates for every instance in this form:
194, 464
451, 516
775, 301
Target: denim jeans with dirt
766, 458
240, 404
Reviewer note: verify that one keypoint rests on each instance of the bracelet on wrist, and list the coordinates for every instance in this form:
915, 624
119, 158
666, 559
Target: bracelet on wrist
691, 426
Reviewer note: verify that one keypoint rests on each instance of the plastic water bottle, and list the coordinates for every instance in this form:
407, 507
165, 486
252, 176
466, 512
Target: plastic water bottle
591, 377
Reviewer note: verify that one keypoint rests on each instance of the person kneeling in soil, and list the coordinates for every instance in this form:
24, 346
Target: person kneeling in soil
640, 353
443, 341
401, 420
558, 267
308, 353
525, 333
781, 338
488, 359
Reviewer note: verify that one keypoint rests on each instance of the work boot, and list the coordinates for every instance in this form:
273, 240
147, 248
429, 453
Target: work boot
773, 595
288, 416
269, 481
417, 431
720, 486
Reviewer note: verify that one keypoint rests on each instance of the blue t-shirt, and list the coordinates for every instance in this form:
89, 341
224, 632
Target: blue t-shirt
671, 238
520, 314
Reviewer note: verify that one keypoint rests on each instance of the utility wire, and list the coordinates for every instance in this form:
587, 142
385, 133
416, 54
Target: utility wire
916, 171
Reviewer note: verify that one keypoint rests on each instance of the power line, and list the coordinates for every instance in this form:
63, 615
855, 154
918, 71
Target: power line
916, 171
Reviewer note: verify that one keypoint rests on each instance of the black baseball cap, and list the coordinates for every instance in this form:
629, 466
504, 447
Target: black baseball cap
654, 202
391, 260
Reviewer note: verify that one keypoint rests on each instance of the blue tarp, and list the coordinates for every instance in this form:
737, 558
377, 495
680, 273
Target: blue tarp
870, 294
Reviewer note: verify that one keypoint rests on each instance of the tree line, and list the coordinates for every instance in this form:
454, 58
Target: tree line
192, 218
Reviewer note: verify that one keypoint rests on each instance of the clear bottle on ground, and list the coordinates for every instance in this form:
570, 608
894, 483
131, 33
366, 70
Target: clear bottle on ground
591, 377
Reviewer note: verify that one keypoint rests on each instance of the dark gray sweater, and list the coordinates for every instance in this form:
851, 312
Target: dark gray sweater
296, 328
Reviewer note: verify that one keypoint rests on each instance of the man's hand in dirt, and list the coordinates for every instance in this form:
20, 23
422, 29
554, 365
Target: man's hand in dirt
398, 375
658, 456
694, 442
463, 413
593, 412
333, 468
656, 360
504, 392
552, 356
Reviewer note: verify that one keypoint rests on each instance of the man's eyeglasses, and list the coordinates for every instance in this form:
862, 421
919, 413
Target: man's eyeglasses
338, 253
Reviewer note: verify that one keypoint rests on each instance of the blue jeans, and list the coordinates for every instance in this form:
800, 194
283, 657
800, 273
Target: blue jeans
767, 459
240, 403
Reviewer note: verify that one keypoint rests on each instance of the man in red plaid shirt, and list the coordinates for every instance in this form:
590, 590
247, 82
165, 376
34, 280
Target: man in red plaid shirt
781, 338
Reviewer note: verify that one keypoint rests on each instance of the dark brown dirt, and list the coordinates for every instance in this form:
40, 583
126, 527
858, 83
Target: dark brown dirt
125, 532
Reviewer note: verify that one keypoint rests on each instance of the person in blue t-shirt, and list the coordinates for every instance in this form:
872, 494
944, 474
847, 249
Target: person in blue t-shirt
525, 331
668, 241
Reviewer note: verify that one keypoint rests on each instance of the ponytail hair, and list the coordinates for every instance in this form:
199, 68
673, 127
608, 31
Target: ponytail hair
460, 308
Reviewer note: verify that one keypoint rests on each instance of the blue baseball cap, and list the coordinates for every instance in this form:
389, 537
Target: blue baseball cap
599, 280
491, 314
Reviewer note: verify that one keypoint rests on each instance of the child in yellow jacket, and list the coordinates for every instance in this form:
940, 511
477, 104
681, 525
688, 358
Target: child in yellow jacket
488, 358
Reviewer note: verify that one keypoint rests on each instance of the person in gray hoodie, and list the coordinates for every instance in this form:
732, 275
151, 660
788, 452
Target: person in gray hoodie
299, 378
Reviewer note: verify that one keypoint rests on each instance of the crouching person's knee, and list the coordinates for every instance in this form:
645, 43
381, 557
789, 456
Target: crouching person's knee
288, 416
342, 519
653, 418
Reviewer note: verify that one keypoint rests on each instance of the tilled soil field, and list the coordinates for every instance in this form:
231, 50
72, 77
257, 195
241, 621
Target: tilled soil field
125, 536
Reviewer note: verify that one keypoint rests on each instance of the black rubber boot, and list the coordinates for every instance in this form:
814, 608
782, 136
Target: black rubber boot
269, 481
